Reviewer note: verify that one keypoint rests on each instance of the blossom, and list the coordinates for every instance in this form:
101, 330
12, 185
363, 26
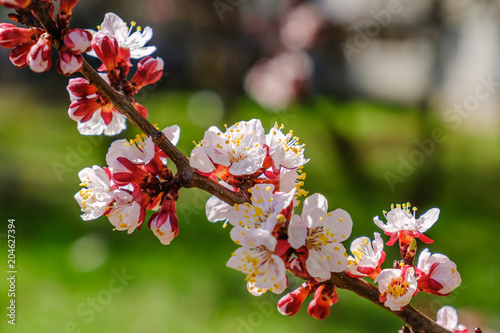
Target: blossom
439, 274
321, 232
131, 43
396, 287
126, 212
263, 210
285, 149
240, 148
92, 110
367, 256
164, 223
401, 223
257, 258
98, 194
447, 317
130, 160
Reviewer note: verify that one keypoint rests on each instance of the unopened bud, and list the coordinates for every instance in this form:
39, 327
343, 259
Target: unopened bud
66, 6
78, 40
290, 304
165, 224
19, 55
324, 298
106, 49
149, 71
40, 56
69, 62
11, 36
15, 3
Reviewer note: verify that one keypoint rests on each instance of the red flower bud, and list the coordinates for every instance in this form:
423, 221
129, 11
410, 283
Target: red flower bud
12, 36
15, 3
106, 49
78, 40
290, 303
19, 55
66, 6
69, 62
149, 71
324, 298
40, 56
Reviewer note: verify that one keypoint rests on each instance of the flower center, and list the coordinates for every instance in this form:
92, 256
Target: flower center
398, 287
316, 239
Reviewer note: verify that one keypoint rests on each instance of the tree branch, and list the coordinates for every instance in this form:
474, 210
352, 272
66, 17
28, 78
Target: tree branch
418, 321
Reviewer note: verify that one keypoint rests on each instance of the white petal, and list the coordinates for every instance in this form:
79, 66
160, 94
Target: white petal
447, 317
316, 267
340, 223
172, 133
216, 209
428, 219
314, 209
200, 160
297, 232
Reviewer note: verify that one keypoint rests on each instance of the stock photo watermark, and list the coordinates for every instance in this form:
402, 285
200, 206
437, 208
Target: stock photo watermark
11, 271
454, 117
75, 156
364, 34
88, 309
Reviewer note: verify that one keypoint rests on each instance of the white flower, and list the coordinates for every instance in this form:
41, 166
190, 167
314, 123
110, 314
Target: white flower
240, 148
114, 27
322, 233
140, 150
256, 258
396, 287
98, 194
368, 255
93, 113
263, 210
400, 219
285, 149
126, 213
447, 317
441, 275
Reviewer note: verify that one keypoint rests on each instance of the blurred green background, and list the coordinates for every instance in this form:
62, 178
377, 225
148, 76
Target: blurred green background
367, 151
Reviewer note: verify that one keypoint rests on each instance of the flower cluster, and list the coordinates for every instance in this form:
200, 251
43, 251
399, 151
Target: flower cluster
115, 45
434, 273
272, 238
32, 46
135, 180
